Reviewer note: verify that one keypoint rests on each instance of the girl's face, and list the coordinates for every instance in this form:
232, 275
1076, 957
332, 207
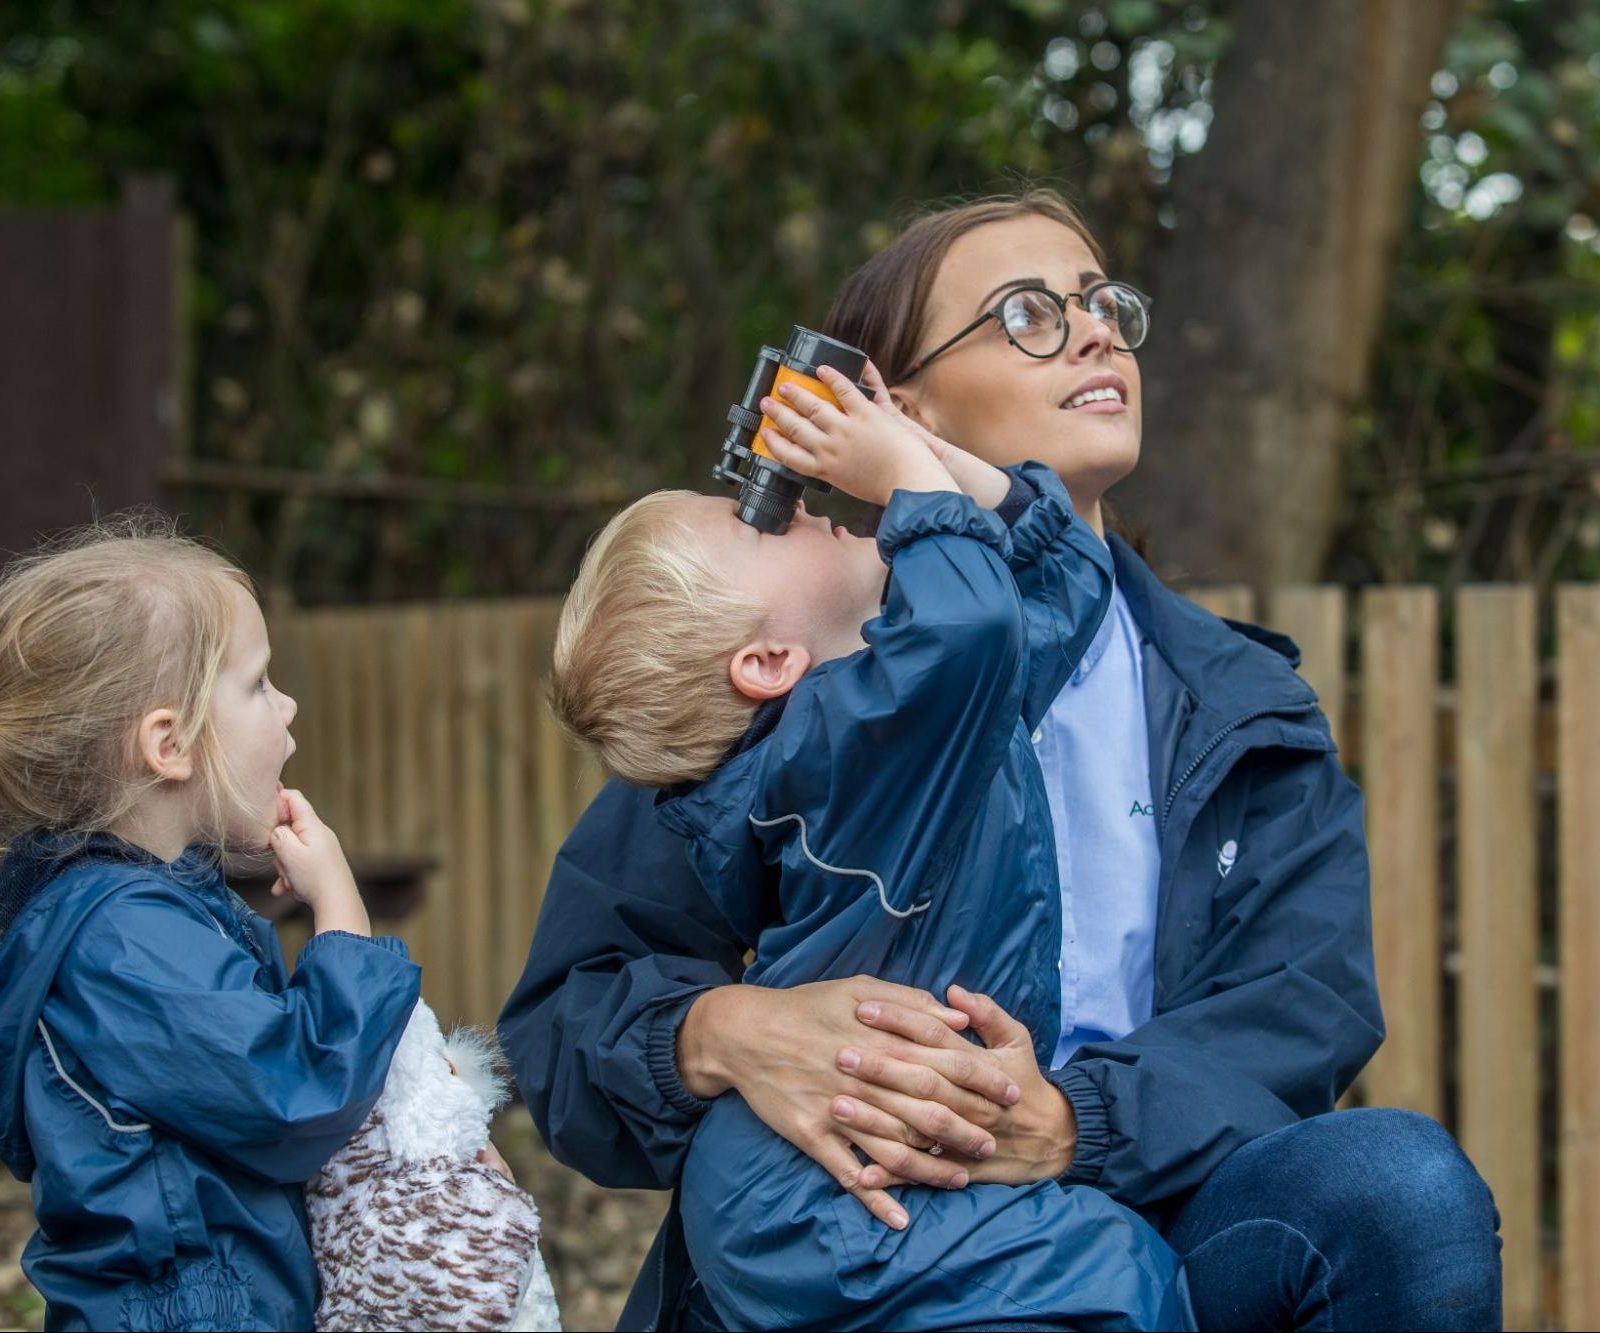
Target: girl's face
995, 401
251, 721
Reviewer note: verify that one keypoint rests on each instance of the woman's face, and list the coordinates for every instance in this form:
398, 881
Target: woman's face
995, 401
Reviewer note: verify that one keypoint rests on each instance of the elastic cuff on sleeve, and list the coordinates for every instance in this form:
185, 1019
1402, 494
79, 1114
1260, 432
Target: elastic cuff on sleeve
1094, 1125
661, 1057
1046, 520
1022, 494
915, 514
388, 943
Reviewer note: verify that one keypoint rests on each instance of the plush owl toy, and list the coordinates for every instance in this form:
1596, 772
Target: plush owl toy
410, 1230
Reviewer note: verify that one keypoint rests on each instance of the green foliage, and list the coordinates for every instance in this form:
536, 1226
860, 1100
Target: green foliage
535, 243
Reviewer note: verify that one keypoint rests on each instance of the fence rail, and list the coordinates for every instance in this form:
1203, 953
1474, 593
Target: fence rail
423, 731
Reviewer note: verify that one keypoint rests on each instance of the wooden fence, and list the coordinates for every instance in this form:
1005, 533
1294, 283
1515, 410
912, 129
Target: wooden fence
423, 730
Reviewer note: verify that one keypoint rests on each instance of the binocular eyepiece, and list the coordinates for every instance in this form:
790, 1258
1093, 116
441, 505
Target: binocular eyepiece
768, 491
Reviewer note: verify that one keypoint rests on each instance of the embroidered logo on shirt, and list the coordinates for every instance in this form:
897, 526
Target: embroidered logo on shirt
1142, 810
1227, 854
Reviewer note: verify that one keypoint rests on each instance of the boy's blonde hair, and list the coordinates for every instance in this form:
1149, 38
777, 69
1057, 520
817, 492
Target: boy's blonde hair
643, 647
96, 631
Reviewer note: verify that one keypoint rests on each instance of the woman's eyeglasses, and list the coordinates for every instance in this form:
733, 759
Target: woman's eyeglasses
1034, 319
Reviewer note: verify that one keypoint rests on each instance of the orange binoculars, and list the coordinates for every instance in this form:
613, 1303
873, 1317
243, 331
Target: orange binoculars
768, 491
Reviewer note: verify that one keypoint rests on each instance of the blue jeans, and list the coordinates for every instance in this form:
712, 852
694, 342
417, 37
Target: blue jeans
1362, 1219
1358, 1219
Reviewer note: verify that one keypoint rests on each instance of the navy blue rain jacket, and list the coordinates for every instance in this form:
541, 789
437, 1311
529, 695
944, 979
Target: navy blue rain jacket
1266, 1003
168, 1088
899, 800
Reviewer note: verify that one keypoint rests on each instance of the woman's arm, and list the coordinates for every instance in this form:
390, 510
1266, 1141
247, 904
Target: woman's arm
1268, 1027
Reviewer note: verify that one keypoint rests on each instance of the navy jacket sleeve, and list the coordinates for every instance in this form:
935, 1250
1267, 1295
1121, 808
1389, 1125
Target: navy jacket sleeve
165, 1011
627, 940
1269, 1024
1063, 571
885, 756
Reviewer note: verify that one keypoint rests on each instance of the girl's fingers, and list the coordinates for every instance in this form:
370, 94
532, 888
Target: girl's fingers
834, 1156
902, 1160
300, 814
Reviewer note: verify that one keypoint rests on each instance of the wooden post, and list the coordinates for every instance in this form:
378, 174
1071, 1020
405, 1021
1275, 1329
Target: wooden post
1233, 601
1400, 780
1578, 670
1498, 682
1315, 618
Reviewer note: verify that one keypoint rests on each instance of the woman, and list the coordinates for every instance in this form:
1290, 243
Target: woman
1217, 983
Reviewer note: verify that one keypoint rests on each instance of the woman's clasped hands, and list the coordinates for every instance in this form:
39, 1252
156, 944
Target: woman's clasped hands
876, 1083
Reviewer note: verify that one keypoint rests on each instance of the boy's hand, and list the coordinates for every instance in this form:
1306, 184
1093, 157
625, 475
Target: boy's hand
984, 482
312, 866
859, 447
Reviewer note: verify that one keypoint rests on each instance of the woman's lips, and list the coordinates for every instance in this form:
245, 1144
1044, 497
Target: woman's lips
1101, 407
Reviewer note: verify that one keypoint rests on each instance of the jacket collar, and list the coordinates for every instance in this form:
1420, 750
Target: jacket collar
1228, 668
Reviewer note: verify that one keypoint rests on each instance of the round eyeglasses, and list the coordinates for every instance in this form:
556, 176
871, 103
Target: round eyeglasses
1034, 319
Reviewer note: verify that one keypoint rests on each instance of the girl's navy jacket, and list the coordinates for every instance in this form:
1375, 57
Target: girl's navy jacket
168, 1087
1266, 1002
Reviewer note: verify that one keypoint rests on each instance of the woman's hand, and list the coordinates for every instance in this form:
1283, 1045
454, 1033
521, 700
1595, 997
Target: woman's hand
779, 1049
1035, 1139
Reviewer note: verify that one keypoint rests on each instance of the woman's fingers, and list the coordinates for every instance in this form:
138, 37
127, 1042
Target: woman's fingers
992, 1023
955, 1058
920, 1082
908, 1163
918, 1124
834, 1156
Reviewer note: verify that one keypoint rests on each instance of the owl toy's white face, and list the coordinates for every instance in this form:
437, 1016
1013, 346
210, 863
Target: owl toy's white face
441, 1093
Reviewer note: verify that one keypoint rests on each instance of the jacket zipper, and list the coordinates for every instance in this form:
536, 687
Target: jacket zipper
1218, 739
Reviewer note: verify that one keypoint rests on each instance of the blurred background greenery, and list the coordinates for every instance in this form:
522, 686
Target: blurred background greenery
533, 244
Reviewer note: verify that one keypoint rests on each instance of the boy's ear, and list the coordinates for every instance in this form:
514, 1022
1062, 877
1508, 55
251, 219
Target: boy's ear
764, 670
157, 743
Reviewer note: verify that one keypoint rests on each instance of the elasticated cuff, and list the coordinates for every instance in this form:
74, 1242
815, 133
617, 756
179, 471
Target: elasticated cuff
1022, 494
912, 515
1046, 520
661, 1056
1094, 1125
388, 943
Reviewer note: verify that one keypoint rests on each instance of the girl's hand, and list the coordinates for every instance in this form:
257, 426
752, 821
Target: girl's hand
860, 448
1035, 1139
489, 1155
312, 866
779, 1049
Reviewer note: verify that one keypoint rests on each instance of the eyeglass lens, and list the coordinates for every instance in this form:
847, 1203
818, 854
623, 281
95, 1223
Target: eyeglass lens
1037, 324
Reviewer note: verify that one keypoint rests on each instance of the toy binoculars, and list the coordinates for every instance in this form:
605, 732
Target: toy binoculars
768, 491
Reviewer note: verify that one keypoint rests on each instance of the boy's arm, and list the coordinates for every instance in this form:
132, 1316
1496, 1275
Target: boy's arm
165, 1012
1064, 573
894, 748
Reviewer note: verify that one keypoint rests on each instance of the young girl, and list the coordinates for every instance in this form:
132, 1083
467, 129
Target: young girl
165, 1084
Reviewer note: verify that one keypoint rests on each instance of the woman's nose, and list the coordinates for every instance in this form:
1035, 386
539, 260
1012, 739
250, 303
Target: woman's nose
1086, 335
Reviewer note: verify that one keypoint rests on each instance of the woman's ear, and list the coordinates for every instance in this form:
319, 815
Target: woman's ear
159, 750
764, 670
909, 401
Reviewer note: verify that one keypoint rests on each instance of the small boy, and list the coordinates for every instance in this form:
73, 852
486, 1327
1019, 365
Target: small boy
849, 762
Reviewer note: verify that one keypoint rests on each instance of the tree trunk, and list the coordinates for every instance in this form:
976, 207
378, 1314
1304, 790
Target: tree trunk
1269, 301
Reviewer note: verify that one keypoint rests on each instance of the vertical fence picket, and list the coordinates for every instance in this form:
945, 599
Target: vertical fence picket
1578, 671
1315, 618
1232, 601
1497, 683
1400, 780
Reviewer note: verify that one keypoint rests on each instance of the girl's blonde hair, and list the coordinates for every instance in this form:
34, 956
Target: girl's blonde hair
643, 646
96, 631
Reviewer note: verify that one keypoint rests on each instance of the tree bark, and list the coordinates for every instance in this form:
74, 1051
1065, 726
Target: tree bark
1269, 300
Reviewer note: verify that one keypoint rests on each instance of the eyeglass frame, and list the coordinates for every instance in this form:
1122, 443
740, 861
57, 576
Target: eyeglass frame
1060, 300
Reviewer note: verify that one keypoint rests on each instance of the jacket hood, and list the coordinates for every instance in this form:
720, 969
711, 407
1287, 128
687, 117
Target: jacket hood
48, 885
